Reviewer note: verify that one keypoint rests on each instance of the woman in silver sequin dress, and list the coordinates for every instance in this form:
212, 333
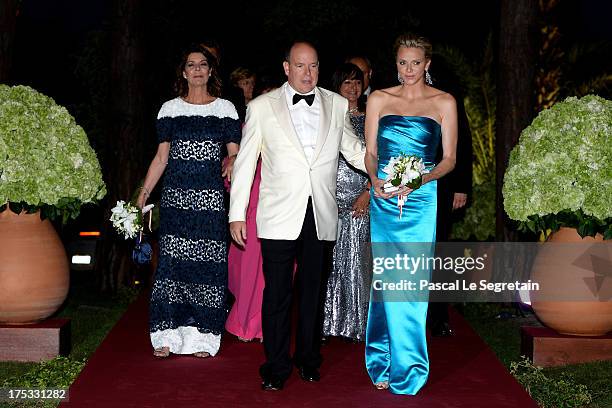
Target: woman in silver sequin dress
348, 287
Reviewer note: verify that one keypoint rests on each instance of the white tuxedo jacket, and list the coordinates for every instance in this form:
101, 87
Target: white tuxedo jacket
287, 178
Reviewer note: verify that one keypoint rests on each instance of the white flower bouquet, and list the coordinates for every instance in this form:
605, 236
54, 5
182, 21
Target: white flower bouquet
127, 218
403, 170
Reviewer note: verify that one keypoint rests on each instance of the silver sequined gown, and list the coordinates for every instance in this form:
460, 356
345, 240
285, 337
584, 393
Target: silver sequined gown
348, 287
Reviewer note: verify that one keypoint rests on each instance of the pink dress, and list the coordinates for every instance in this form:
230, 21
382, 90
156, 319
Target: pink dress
245, 275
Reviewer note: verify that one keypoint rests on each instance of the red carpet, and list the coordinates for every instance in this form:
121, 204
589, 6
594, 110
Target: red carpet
123, 373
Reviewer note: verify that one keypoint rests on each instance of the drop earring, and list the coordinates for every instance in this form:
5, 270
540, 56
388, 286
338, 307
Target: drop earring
400, 79
428, 80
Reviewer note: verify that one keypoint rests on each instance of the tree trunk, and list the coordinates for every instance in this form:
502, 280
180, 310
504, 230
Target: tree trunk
8, 21
124, 151
550, 58
515, 87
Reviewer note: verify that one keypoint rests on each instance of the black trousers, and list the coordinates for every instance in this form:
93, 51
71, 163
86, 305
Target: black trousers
278, 262
437, 312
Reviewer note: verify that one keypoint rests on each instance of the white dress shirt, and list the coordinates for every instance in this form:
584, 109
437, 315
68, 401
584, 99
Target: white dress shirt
305, 119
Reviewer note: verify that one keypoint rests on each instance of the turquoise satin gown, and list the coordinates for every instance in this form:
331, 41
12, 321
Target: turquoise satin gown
396, 347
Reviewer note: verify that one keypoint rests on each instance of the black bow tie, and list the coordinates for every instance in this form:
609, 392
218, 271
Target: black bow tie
308, 98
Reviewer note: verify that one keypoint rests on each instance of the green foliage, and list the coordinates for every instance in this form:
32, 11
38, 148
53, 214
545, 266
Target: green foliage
154, 212
595, 374
584, 224
586, 69
125, 295
503, 336
46, 161
479, 220
57, 373
92, 70
92, 315
560, 172
477, 81
561, 392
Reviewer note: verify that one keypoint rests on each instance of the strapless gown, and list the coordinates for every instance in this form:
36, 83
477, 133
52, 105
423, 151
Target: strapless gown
396, 346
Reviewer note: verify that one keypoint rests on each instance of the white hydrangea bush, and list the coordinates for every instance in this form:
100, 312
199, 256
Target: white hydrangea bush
562, 166
45, 157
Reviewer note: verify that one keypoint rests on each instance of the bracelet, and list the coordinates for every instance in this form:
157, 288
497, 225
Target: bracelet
232, 155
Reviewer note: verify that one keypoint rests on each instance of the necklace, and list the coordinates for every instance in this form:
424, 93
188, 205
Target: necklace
353, 111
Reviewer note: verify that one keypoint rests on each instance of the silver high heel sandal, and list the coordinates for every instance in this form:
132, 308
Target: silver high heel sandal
161, 352
383, 385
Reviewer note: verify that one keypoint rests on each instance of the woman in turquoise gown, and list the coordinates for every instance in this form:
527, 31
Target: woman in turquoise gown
411, 118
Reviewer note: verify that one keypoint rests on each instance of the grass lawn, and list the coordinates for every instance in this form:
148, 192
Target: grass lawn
503, 336
92, 316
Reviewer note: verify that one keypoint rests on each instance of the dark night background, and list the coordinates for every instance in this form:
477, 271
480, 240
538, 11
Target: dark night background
113, 67
53, 38
112, 64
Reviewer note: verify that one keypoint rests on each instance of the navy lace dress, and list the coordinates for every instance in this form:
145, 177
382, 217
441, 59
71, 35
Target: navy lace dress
187, 312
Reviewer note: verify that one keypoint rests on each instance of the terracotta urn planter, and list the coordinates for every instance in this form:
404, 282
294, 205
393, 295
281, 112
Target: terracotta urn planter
34, 272
565, 270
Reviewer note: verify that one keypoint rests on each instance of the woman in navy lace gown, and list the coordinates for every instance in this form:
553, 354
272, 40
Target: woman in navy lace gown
187, 311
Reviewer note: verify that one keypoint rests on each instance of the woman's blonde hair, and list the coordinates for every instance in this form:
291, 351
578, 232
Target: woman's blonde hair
411, 40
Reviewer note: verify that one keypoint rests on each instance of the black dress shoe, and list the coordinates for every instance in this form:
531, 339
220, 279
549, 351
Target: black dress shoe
272, 384
309, 374
442, 330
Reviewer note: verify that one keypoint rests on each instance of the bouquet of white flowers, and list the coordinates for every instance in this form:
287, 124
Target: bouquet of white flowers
127, 218
403, 170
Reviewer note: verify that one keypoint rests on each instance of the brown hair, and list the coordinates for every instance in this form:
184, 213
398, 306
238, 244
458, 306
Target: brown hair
411, 40
344, 72
213, 86
239, 74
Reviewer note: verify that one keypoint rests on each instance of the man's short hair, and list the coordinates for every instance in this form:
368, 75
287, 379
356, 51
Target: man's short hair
366, 59
293, 44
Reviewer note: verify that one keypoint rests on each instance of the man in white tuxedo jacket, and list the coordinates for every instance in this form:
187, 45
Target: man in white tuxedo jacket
299, 131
